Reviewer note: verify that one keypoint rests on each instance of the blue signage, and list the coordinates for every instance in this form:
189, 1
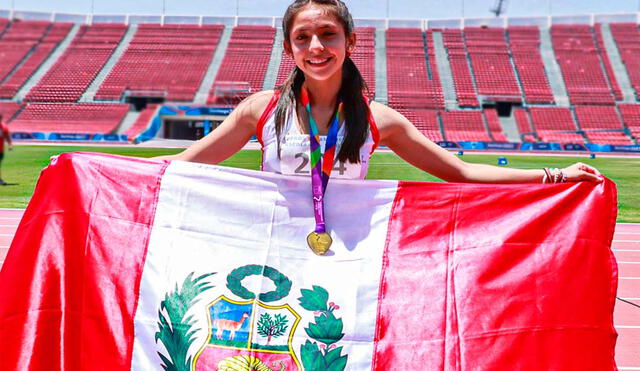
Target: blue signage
449, 145
503, 146
574, 147
633, 148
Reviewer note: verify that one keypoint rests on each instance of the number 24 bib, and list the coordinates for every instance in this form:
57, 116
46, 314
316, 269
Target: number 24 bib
294, 158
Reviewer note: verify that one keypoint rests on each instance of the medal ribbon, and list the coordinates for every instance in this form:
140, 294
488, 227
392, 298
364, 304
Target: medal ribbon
320, 173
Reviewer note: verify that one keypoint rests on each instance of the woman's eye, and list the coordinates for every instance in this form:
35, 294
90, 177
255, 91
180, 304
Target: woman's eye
301, 37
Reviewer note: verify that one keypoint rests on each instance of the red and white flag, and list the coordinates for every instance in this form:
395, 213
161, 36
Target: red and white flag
123, 263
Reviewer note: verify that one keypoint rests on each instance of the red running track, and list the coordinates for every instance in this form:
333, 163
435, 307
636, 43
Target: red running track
626, 248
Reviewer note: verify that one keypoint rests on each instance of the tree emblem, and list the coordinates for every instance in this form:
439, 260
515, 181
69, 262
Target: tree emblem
272, 327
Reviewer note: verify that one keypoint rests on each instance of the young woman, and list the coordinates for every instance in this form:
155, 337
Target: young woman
324, 94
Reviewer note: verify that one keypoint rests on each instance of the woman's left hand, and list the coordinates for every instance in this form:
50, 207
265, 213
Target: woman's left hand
582, 172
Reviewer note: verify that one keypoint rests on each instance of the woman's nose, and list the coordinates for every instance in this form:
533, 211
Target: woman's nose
316, 43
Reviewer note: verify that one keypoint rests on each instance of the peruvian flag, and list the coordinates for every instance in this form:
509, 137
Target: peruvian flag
123, 263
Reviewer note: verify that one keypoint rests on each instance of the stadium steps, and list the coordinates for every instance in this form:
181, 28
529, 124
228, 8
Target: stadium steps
212, 71
616, 63
381, 94
509, 128
552, 69
271, 75
90, 93
128, 121
48, 63
444, 70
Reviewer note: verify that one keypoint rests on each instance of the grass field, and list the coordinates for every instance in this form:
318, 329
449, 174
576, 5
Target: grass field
22, 166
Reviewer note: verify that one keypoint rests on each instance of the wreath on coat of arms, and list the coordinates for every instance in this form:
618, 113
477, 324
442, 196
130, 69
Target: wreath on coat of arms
250, 334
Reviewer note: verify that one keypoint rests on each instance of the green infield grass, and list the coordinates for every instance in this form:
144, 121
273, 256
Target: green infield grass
22, 166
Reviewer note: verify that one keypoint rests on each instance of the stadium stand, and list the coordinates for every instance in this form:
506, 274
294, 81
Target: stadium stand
524, 43
464, 126
432, 68
18, 41
409, 84
627, 38
491, 64
8, 110
3, 25
364, 57
601, 125
486, 63
555, 124
580, 64
465, 89
171, 59
426, 120
613, 81
73, 118
41, 50
245, 62
523, 122
78, 66
286, 65
142, 122
631, 118
493, 123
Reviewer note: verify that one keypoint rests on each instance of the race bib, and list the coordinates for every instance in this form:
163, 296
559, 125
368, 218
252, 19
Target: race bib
295, 158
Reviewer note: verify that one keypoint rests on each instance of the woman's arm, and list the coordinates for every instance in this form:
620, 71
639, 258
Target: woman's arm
402, 137
228, 138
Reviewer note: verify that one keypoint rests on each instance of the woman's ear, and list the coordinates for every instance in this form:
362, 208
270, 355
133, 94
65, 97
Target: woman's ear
351, 42
287, 48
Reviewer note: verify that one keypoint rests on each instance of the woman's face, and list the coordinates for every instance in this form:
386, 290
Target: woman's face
317, 43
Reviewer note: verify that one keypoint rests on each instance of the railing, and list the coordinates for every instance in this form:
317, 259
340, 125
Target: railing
541, 21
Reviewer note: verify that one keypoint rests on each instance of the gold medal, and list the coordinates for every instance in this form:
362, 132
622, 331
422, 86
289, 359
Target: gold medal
319, 242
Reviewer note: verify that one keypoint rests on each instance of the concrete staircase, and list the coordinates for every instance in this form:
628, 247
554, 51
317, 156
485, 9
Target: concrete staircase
127, 122
271, 75
381, 93
444, 70
553, 69
619, 70
212, 71
91, 91
510, 128
44, 67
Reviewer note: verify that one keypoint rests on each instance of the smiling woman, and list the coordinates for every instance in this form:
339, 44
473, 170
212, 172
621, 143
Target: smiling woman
319, 120
323, 95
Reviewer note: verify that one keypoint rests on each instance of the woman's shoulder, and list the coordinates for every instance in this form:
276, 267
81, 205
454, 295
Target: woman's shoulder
385, 115
254, 105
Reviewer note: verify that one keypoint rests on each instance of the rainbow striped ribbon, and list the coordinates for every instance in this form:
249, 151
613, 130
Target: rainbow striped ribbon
320, 174
317, 159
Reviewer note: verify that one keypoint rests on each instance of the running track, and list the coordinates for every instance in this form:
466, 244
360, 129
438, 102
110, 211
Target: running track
626, 247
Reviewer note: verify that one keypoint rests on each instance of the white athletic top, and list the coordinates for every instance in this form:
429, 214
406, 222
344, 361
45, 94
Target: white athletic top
294, 149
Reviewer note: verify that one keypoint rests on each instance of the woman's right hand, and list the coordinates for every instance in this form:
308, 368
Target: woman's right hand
582, 172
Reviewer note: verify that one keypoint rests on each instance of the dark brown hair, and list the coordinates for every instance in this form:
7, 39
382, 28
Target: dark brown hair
353, 86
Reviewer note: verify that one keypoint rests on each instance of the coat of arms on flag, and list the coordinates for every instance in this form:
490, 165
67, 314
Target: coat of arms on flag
132, 264
249, 334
